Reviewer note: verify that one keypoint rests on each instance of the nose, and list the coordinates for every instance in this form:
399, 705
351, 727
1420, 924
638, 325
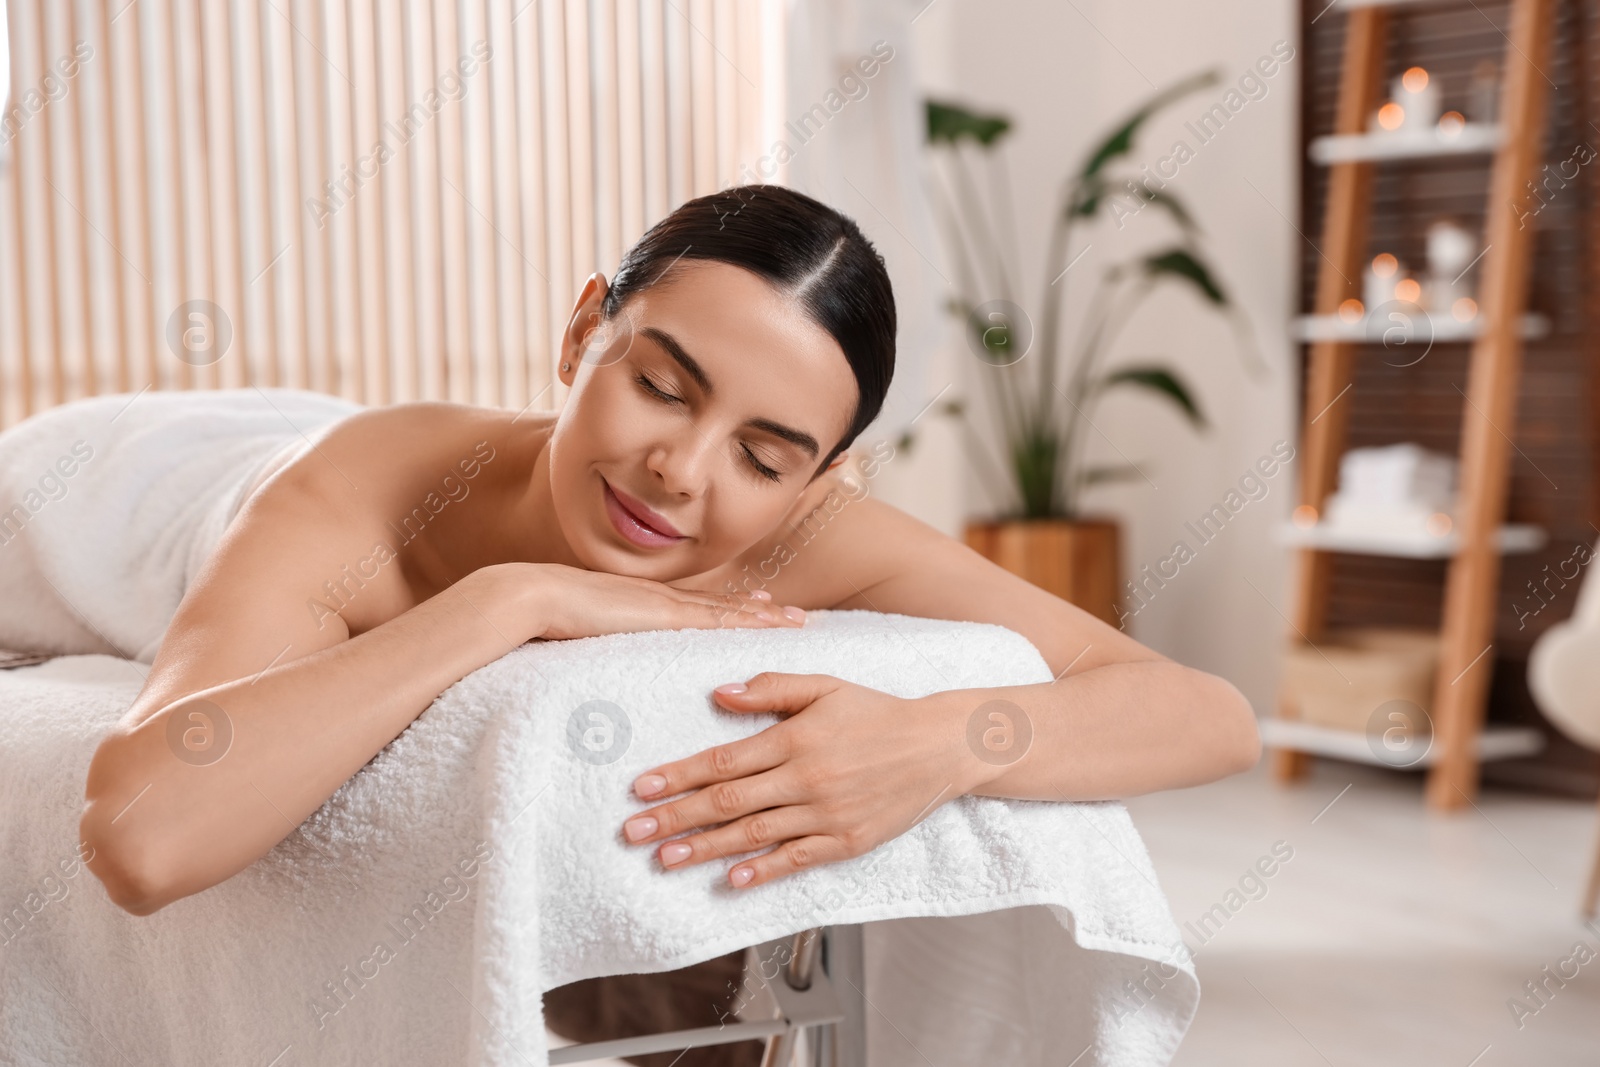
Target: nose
682, 459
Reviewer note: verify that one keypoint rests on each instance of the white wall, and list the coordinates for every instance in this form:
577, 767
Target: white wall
1064, 73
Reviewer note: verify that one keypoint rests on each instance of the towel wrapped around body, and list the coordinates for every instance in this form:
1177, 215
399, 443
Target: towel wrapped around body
109, 505
476, 862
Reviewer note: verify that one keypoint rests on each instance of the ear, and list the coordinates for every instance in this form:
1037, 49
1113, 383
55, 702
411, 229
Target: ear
586, 316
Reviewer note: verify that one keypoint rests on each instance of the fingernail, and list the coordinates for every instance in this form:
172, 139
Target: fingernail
761, 594
640, 828
671, 854
731, 689
649, 785
740, 876
794, 614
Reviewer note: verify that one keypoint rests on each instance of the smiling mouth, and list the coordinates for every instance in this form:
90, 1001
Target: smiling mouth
633, 527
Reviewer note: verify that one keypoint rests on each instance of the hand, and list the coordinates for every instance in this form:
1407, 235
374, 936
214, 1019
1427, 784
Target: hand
572, 602
849, 769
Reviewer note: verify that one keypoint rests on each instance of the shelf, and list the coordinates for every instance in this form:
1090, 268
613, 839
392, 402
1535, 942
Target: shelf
1438, 330
1513, 539
1493, 743
1473, 139
1351, 5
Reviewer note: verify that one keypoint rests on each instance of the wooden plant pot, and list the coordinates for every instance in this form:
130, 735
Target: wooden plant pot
1077, 560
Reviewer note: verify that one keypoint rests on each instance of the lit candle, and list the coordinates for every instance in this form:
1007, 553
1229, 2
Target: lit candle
1378, 284
1418, 96
1452, 249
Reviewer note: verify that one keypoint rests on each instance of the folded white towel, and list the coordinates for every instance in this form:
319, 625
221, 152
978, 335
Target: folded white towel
110, 504
419, 916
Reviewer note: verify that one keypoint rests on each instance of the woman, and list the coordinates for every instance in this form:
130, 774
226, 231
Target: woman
715, 383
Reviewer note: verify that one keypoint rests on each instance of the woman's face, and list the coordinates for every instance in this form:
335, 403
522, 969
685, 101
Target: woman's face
702, 409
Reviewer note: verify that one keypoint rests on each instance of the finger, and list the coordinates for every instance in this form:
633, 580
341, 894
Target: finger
752, 833
718, 803
757, 602
777, 691
787, 615
744, 758
710, 614
788, 858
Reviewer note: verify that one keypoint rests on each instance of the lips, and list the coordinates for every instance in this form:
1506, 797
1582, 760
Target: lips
636, 522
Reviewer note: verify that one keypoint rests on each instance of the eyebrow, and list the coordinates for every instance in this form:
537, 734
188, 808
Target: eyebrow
693, 369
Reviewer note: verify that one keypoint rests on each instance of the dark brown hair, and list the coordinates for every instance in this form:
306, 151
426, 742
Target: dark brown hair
805, 249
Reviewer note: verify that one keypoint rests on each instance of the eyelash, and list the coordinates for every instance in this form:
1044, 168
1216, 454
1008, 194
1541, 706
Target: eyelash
661, 394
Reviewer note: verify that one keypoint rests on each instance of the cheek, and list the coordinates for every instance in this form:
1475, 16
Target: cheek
745, 514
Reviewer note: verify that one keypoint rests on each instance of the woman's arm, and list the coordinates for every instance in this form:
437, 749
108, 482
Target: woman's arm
167, 818
168, 814
1119, 720
1112, 732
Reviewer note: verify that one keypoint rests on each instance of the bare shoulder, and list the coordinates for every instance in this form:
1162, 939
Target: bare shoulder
379, 462
838, 542
845, 549
313, 557
384, 438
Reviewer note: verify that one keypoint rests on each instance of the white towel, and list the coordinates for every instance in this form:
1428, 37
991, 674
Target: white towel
109, 505
419, 916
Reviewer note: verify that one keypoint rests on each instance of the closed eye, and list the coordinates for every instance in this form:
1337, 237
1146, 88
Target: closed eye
656, 391
651, 388
761, 468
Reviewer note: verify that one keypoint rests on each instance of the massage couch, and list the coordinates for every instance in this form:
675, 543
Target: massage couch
420, 916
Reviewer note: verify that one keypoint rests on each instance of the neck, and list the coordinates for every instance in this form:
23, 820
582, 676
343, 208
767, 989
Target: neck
532, 533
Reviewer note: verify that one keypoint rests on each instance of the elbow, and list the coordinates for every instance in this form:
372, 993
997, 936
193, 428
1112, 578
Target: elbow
1239, 737
124, 866
115, 848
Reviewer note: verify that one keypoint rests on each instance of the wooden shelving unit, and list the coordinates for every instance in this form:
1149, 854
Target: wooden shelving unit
1488, 413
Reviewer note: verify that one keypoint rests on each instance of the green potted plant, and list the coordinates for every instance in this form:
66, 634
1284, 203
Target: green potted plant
1043, 390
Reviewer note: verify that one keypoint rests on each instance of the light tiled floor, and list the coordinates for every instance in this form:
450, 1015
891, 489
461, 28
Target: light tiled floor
1391, 936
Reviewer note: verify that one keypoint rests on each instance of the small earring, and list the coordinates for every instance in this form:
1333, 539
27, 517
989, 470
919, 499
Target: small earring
566, 366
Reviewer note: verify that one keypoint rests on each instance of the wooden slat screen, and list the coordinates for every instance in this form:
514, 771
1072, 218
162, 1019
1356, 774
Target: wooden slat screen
388, 200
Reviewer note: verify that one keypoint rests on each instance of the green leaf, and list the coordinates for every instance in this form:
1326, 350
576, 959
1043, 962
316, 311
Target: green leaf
997, 340
1121, 140
1181, 263
1120, 472
1087, 198
1033, 465
950, 123
1172, 205
1161, 381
